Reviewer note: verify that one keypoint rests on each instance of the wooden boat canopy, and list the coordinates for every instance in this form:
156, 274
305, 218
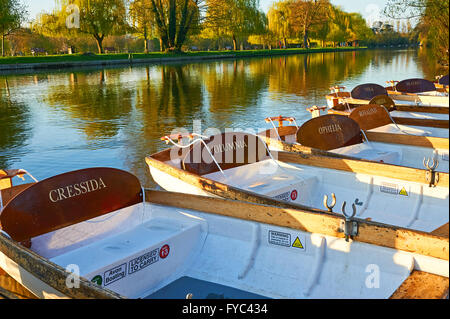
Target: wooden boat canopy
68, 199
329, 132
228, 149
443, 80
415, 86
370, 116
368, 91
385, 101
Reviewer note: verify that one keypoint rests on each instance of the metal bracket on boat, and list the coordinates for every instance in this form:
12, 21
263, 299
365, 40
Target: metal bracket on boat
333, 202
337, 88
178, 137
280, 119
432, 176
393, 84
348, 226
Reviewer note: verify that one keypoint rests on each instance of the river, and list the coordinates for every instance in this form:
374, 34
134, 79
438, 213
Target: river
61, 120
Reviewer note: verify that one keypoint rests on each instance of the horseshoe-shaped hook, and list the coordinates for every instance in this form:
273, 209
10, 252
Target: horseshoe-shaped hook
333, 202
348, 217
426, 163
350, 226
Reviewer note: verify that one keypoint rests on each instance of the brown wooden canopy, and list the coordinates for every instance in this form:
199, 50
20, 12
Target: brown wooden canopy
328, 132
67, 199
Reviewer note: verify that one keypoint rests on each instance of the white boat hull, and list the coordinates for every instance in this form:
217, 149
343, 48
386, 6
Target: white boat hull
390, 201
260, 259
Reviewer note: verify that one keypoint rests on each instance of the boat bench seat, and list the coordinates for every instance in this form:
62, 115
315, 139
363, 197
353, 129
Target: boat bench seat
128, 260
268, 179
401, 129
369, 153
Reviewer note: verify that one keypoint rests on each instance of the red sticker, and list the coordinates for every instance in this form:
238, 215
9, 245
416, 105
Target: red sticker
164, 251
294, 195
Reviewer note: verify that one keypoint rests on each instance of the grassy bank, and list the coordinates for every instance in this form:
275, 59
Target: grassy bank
142, 57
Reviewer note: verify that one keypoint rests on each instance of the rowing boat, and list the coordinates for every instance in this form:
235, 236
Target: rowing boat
418, 91
416, 115
442, 83
95, 233
367, 133
376, 118
239, 166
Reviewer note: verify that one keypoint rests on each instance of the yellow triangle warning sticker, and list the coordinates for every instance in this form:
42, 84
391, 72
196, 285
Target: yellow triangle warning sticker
404, 192
297, 243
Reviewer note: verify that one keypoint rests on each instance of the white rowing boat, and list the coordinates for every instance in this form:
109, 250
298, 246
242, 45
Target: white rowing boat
418, 91
376, 118
96, 233
340, 102
238, 166
367, 133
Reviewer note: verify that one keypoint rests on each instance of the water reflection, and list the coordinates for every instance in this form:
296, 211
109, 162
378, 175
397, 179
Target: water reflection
15, 127
114, 117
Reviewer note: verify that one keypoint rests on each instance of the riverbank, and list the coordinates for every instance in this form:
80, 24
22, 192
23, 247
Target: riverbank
79, 60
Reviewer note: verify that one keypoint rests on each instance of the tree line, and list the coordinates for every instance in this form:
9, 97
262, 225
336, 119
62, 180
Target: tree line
175, 23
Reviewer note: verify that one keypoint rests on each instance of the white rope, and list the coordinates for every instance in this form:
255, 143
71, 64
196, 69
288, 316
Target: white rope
276, 128
5, 234
367, 140
396, 123
193, 142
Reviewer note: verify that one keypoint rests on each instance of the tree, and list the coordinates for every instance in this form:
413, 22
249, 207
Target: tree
433, 18
234, 18
12, 15
305, 14
98, 18
174, 20
279, 21
141, 15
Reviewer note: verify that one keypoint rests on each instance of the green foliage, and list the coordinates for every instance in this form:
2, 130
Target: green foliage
433, 26
12, 14
234, 18
74, 18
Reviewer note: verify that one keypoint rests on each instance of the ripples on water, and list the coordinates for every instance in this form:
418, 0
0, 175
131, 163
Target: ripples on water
57, 121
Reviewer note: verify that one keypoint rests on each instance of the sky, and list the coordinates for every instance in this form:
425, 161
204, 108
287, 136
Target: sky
369, 9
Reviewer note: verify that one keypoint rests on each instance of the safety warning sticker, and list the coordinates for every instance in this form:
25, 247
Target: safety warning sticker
297, 243
286, 240
389, 188
279, 238
404, 192
394, 189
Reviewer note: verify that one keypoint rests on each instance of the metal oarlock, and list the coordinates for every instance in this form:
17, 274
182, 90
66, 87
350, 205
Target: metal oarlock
333, 202
431, 176
349, 227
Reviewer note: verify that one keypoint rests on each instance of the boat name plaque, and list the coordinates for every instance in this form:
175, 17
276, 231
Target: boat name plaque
74, 190
333, 128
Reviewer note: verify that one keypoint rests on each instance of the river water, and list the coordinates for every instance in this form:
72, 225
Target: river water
61, 120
